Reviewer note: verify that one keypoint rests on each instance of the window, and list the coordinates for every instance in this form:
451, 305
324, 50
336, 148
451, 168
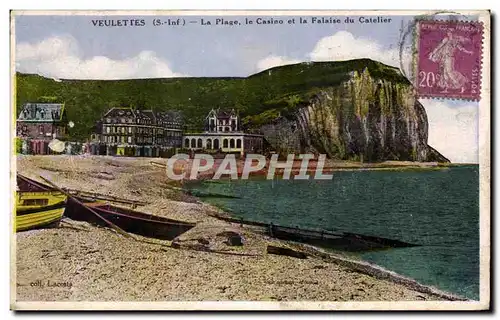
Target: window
227, 129
129, 129
200, 143
224, 143
41, 129
209, 143
129, 139
193, 143
231, 143
238, 143
108, 129
186, 143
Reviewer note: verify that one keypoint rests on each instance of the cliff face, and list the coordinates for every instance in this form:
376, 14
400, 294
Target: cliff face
363, 118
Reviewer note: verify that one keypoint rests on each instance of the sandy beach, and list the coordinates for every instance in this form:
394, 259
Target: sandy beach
81, 262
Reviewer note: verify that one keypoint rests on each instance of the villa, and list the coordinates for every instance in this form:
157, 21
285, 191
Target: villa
223, 134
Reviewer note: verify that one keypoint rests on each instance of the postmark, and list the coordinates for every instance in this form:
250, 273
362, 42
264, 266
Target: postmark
449, 57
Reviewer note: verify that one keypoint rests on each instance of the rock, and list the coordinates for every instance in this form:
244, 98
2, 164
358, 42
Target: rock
232, 238
286, 252
203, 241
364, 118
319, 267
175, 245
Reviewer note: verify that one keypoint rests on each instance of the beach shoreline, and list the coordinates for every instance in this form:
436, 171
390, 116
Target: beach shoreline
311, 167
101, 265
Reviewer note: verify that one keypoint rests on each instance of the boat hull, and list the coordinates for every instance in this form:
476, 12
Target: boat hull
41, 219
128, 220
37, 209
343, 242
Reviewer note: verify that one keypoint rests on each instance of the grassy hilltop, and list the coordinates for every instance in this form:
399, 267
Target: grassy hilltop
259, 98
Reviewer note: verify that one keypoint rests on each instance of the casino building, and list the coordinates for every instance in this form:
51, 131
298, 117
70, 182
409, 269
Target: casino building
223, 134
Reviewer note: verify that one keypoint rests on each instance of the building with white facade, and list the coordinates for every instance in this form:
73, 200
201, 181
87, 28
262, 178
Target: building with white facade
223, 134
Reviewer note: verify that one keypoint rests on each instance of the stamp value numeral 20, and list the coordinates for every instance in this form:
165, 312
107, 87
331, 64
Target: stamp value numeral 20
449, 59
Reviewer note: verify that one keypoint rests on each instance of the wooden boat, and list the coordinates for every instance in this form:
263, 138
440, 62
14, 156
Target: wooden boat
36, 209
27, 184
85, 207
128, 220
344, 241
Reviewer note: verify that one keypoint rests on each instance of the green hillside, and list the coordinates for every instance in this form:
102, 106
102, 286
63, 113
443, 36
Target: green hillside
259, 97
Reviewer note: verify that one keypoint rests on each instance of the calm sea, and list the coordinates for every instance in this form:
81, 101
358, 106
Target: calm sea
437, 209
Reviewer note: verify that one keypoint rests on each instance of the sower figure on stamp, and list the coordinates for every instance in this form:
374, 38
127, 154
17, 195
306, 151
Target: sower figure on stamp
444, 54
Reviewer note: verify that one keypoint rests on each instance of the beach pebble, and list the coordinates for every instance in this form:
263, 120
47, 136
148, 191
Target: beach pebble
232, 238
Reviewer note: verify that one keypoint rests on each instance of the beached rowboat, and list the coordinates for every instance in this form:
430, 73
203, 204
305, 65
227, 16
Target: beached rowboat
128, 220
35, 209
85, 207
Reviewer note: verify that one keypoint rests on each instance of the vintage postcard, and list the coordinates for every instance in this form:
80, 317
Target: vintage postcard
258, 160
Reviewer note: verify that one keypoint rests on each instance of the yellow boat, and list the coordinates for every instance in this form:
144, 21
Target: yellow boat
38, 208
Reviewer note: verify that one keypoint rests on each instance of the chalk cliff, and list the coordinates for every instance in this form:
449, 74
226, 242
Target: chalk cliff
362, 118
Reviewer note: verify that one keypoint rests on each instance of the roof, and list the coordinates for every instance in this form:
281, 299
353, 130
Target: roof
145, 114
222, 114
225, 113
120, 112
169, 116
153, 116
42, 112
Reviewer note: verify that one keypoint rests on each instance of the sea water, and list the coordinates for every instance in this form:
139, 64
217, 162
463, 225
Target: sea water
438, 209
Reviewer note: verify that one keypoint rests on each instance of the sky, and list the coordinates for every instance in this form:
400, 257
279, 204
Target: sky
76, 47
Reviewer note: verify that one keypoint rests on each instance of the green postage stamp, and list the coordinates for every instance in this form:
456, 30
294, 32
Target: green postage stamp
250, 160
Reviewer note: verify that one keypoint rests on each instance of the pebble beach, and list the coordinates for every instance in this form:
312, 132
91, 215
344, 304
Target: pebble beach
78, 261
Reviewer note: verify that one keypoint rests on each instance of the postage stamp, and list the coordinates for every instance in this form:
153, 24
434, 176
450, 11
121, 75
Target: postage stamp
250, 160
449, 59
